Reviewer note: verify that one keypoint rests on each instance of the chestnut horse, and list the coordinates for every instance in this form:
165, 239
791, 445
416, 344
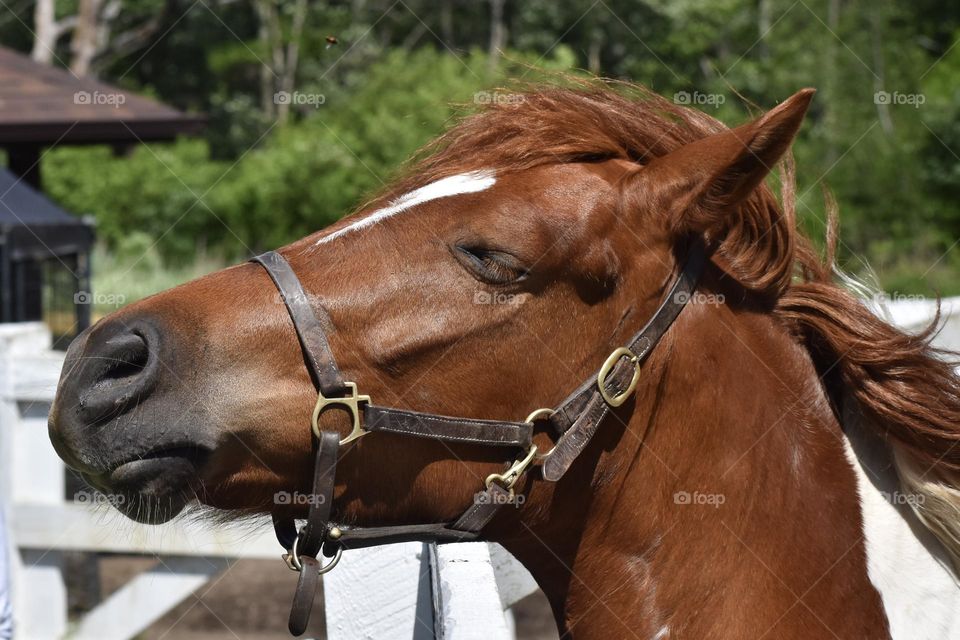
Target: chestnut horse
786, 467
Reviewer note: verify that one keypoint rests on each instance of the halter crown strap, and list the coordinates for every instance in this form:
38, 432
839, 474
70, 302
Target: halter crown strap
313, 339
579, 416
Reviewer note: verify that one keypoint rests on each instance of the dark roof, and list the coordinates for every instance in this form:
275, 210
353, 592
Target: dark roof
33, 225
40, 104
20, 205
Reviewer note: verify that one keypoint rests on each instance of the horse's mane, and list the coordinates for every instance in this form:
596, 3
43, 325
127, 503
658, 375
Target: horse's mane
905, 387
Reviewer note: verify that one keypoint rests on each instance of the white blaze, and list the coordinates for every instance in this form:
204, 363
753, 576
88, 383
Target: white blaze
472, 182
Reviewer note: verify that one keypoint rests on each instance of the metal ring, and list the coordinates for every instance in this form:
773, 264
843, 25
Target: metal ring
542, 414
294, 556
539, 414
617, 399
336, 558
296, 565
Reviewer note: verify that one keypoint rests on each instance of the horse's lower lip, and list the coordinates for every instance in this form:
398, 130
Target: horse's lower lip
156, 471
154, 488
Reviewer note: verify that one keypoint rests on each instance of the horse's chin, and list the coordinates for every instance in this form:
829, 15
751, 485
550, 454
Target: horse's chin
150, 510
155, 489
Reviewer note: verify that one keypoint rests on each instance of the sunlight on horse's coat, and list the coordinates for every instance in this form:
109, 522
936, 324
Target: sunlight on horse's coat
472, 182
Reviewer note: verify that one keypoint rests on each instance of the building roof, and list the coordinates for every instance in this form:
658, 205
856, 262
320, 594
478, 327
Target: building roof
33, 225
21, 205
44, 105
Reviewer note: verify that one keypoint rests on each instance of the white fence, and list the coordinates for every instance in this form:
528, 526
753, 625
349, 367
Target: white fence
399, 591
395, 592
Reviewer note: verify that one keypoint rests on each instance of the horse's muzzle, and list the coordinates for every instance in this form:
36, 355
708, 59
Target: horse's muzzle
113, 422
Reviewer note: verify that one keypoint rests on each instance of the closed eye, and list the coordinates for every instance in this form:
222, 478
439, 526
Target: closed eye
490, 265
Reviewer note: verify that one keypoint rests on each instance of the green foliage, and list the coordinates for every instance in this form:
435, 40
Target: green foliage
158, 190
389, 84
302, 177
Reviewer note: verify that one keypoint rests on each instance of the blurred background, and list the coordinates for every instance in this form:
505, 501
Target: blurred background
148, 142
371, 80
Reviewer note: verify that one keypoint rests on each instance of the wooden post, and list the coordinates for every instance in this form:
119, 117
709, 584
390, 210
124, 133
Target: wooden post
381, 592
466, 599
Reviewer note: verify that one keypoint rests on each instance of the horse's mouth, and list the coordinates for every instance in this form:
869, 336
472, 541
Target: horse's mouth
155, 487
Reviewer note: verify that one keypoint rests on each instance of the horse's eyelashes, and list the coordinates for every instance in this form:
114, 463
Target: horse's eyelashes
490, 265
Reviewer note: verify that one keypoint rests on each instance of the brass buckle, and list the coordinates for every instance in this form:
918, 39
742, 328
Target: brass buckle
618, 399
351, 402
509, 477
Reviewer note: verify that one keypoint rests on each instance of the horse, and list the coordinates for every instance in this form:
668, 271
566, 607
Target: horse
784, 465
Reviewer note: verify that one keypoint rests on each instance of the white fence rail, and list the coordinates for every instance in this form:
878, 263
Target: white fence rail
405, 591
395, 592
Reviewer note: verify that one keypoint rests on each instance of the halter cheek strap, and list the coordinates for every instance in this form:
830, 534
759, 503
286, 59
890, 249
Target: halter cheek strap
574, 421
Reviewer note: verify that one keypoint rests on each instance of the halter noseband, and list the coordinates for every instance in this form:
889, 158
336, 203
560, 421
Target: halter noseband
574, 421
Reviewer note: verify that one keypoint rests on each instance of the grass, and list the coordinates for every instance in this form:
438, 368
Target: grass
120, 279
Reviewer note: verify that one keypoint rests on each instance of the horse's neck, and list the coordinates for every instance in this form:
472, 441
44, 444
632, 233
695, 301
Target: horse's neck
737, 516
906, 563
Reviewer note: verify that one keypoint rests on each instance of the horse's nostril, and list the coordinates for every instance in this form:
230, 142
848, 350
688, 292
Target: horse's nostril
125, 356
119, 372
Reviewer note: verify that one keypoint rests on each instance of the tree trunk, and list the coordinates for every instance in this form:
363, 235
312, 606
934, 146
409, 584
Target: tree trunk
831, 81
86, 37
46, 31
764, 24
288, 74
593, 52
266, 15
446, 23
277, 79
498, 32
883, 106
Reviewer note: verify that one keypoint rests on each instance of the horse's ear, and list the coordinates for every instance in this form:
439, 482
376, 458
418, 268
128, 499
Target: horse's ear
701, 183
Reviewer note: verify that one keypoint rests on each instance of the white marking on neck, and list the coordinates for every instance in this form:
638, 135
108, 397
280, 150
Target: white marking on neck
905, 562
471, 182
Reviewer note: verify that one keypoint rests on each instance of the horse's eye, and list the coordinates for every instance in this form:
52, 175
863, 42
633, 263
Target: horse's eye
490, 265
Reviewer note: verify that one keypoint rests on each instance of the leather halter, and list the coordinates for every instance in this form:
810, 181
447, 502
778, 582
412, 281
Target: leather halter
574, 421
